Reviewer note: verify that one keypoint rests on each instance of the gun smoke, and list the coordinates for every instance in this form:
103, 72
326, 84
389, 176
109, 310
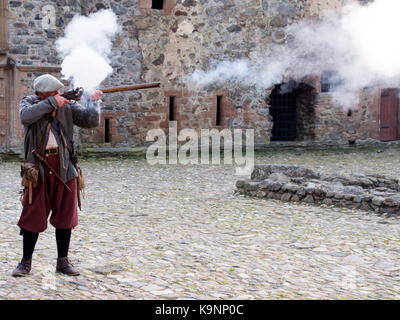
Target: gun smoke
85, 49
357, 46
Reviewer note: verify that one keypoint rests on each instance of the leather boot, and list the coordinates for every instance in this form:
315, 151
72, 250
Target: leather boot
64, 266
23, 268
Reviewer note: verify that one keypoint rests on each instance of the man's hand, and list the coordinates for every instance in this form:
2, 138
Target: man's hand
61, 101
96, 95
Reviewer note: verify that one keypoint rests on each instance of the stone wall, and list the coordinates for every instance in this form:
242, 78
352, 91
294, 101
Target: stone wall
336, 124
168, 45
376, 193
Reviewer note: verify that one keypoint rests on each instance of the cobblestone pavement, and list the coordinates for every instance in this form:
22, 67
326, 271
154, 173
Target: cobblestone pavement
179, 232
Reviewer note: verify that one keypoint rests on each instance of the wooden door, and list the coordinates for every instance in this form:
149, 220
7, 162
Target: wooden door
388, 128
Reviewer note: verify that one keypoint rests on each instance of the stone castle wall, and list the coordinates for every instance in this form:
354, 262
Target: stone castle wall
167, 46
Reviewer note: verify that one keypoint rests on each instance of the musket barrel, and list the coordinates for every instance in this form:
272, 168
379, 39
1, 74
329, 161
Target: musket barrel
134, 87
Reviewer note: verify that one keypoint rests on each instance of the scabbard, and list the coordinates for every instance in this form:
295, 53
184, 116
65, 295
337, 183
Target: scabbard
78, 191
30, 192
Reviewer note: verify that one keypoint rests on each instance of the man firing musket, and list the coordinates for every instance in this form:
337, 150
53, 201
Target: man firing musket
50, 174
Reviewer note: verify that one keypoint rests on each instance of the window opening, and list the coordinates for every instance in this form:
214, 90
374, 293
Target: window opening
171, 108
157, 4
107, 130
218, 115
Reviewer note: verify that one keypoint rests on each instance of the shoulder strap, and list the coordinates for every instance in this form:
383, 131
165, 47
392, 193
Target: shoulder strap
42, 143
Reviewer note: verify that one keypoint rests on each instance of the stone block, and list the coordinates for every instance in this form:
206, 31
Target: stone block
327, 202
295, 198
377, 201
310, 190
367, 198
277, 196
276, 186
286, 197
292, 188
348, 197
320, 192
251, 186
279, 177
287, 187
365, 206
354, 205
270, 195
261, 194
301, 192
308, 199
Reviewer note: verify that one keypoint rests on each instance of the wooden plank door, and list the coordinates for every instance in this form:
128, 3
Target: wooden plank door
388, 128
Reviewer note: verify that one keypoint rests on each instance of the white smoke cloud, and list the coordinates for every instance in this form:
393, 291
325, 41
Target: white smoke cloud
359, 44
85, 48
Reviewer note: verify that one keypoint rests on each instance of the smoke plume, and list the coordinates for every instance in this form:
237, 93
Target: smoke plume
357, 45
85, 49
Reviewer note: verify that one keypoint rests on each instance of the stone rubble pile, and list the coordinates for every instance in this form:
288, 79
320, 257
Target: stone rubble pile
377, 193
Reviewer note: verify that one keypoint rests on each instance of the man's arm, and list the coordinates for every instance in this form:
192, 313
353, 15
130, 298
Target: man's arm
85, 117
30, 112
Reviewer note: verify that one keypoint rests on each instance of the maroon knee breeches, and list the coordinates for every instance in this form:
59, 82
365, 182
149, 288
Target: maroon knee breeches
50, 195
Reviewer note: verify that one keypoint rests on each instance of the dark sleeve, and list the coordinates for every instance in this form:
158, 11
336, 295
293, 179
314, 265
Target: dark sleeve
85, 117
30, 112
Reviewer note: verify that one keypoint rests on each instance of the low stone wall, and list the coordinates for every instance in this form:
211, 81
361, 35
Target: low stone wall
376, 193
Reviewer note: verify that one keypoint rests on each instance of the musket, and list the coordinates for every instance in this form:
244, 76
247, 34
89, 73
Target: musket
76, 94
133, 87
44, 162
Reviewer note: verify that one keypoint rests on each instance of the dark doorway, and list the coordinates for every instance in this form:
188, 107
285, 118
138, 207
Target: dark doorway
388, 129
292, 109
283, 113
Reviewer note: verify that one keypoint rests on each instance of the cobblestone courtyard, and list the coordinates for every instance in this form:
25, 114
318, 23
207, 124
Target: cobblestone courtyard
179, 232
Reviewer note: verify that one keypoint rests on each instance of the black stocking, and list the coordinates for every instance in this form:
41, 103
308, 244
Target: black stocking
29, 242
63, 237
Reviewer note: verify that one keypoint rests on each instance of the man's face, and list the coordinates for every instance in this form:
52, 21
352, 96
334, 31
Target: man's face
44, 95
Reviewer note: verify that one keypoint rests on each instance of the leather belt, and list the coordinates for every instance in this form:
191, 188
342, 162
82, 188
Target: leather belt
52, 151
